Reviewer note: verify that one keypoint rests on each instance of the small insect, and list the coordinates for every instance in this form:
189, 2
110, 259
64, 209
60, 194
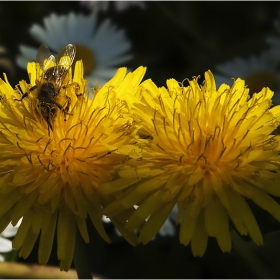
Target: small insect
49, 81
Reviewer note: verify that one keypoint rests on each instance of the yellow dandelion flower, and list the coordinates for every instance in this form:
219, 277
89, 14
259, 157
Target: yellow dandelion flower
207, 150
53, 160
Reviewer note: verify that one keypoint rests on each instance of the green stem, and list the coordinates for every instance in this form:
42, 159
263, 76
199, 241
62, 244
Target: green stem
11, 256
80, 259
251, 258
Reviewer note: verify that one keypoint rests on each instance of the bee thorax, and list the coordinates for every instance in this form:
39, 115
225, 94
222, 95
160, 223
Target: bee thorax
46, 93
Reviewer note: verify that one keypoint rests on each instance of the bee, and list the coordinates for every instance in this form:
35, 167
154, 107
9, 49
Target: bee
50, 74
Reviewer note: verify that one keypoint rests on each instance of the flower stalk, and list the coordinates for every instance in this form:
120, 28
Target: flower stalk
80, 258
251, 258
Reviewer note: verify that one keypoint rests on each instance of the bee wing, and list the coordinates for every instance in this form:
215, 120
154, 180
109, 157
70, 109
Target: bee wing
64, 60
45, 60
44, 54
65, 57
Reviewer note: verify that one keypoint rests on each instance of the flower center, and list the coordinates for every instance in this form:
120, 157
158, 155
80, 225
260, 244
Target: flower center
257, 80
87, 56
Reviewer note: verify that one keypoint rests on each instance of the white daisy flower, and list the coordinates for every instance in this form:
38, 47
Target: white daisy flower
103, 48
258, 71
120, 6
5, 243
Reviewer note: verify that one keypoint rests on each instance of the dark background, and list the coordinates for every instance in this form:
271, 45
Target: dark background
177, 39
174, 40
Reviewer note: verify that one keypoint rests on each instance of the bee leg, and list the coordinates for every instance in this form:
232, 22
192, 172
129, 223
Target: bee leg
49, 128
77, 88
48, 114
23, 95
64, 110
67, 106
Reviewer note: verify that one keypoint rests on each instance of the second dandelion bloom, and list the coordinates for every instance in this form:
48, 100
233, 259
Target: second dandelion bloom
206, 150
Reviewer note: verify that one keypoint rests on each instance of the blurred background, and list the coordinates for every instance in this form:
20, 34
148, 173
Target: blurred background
174, 40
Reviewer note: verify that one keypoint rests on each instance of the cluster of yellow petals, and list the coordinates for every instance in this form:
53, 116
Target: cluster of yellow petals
50, 177
205, 150
133, 152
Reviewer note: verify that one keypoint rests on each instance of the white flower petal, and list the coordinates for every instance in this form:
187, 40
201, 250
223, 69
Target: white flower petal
106, 220
5, 245
101, 77
11, 230
167, 229
22, 61
28, 55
